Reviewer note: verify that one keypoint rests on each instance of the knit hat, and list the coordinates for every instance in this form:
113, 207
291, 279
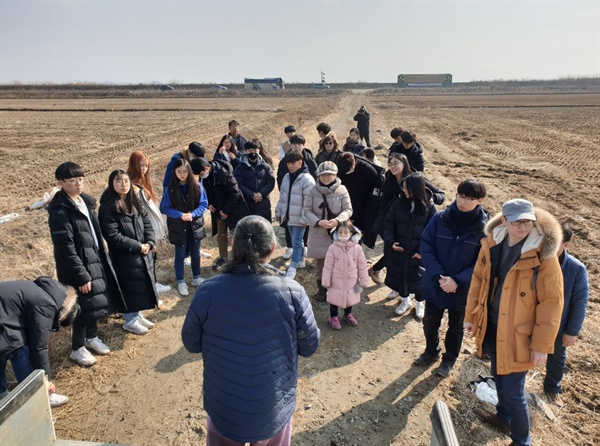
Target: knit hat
327, 167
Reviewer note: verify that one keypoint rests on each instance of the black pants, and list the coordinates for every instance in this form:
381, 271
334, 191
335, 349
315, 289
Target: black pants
454, 335
85, 326
380, 264
333, 310
288, 238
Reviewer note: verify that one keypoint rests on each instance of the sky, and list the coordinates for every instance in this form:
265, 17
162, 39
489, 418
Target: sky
121, 42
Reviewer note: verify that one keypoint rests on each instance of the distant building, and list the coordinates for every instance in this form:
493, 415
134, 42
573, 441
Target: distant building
425, 80
269, 83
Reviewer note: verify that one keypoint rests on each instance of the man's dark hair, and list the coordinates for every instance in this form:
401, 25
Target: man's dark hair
198, 165
396, 132
297, 139
233, 121
68, 170
197, 149
472, 189
368, 153
567, 232
248, 145
289, 129
323, 127
292, 157
408, 136
345, 162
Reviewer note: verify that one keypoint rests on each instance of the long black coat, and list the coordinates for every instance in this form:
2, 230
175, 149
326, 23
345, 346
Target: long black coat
224, 194
258, 178
125, 235
27, 314
404, 226
78, 259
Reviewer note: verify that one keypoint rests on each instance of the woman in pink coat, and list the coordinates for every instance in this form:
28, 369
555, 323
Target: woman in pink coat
345, 273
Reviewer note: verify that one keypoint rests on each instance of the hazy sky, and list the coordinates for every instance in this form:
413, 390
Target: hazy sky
225, 41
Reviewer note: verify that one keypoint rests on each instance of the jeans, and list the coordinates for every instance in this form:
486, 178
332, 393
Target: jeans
297, 234
85, 326
128, 317
19, 359
215, 438
454, 334
512, 405
555, 367
288, 238
180, 255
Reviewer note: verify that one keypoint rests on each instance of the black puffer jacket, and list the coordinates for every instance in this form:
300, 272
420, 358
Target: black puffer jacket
309, 162
353, 146
414, 155
125, 235
404, 226
256, 178
78, 259
27, 315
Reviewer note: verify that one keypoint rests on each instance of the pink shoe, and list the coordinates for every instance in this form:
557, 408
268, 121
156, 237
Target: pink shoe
335, 323
350, 319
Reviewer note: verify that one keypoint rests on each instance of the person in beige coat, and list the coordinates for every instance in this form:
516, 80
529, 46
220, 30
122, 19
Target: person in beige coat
514, 306
326, 206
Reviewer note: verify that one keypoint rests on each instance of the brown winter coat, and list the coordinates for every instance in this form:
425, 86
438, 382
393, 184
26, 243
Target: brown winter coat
530, 307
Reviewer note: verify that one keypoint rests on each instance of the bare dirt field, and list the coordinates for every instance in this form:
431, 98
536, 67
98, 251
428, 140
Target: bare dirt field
360, 388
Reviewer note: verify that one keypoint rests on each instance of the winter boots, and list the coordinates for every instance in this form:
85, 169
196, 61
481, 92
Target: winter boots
321, 294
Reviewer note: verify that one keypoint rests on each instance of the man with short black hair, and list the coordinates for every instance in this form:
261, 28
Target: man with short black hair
286, 146
240, 141
323, 129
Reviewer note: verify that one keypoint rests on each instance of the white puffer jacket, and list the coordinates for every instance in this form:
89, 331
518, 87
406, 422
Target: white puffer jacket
300, 190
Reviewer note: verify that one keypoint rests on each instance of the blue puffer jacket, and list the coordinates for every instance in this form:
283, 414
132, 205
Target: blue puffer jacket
577, 289
450, 248
250, 329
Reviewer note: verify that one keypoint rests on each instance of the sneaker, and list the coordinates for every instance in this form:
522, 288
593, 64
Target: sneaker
444, 369
187, 261
305, 250
393, 294
97, 345
291, 272
159, 303
375, 277
197, 281
301, 263
204, 255
426, 359
57, 400
160, 288
83, 357
135, 327
404, 306
350, 319
145, 322
335, 323
218, 263
288, 253
182, 289
420, 310
492, 420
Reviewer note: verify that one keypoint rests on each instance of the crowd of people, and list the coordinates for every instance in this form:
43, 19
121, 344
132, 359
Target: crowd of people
507, 279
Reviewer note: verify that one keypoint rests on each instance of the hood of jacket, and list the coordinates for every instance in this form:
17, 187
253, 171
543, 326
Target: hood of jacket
328, 190
53, 288
354, 238
545, 237
244, 160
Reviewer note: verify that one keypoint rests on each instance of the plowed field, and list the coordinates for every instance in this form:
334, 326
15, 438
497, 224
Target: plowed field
360, 387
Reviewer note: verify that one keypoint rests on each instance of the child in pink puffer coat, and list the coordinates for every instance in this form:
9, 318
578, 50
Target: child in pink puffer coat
345, 273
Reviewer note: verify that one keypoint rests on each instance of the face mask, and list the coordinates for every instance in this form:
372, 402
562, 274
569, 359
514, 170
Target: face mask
253, 156
206, 174
344, 239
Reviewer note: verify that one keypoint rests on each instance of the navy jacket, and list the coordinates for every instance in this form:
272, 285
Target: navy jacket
28, 312
450, 249
577, 289
250, 329
253, 178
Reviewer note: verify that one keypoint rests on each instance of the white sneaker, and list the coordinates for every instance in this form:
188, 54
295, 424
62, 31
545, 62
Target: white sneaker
197, 282
288, 253
145, 322
160, 288
182, 289
160, 303
301, 263
291, 272
135, 327
83, 357
57, 400
420, 310
393, 294
97, 345
305, 250
404, 306
204, 254
187, 261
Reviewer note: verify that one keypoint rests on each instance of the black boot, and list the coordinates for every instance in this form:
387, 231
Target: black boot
321, 294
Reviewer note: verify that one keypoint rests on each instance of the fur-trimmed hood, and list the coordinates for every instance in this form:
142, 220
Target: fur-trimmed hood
545, 237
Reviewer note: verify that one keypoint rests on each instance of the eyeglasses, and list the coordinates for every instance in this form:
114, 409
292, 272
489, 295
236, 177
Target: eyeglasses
464, 197
329, 143
525, 223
